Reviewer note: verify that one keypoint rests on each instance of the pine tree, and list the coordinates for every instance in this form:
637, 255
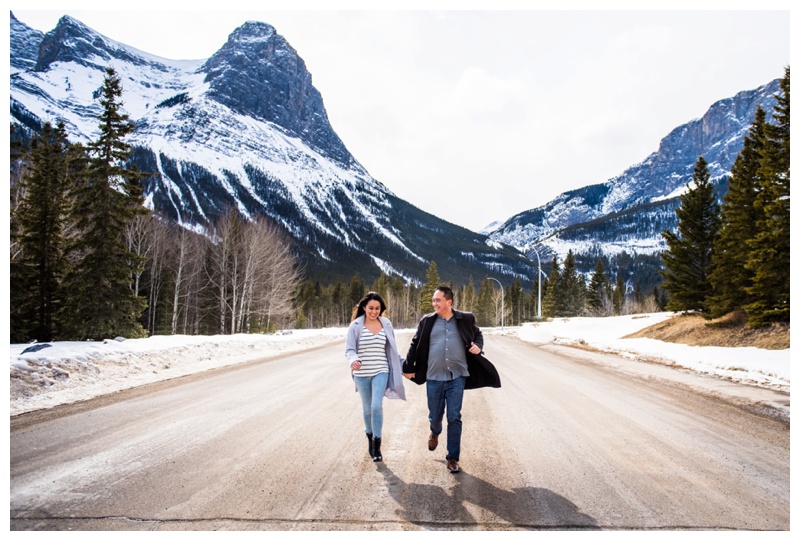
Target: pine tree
427, 290
515, 300
659, 299
356, 291
100, 300
619, 295
535, 300
484, 311
552, 302
381, 286
573, 288
341, 304
467, 299
769, 255
301, 321
40, 218
598, 297
730, 278
687, 261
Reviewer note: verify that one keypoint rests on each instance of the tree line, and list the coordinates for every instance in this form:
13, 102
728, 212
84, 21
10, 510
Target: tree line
734, 256
565, 293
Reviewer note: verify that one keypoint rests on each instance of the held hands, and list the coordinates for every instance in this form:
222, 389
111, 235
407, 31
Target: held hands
355, 365
474, 349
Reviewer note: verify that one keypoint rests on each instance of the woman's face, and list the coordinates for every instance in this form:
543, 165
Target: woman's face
373, 309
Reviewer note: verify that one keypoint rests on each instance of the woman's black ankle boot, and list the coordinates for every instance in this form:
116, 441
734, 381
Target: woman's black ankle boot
376, 450
371, 451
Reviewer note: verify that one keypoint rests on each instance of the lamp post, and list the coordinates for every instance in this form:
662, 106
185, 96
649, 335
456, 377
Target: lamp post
539, 280
503, 303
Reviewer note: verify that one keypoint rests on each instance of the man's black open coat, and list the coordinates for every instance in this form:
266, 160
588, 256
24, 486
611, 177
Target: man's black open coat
482, 373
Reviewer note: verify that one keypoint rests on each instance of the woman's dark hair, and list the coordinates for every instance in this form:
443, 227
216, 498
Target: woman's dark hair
359, 310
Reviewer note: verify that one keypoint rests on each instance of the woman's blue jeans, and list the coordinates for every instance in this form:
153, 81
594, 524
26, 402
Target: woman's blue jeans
450, 395
371, 391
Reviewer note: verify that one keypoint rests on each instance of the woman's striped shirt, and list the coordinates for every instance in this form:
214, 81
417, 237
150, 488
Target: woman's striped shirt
372, 354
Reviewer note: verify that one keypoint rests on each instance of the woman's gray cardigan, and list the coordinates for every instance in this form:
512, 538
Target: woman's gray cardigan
394, 387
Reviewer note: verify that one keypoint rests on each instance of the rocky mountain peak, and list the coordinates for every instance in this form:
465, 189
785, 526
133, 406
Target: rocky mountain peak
73, 41
24, 45
257, 73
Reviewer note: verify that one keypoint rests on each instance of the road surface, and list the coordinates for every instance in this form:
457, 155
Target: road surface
566, 443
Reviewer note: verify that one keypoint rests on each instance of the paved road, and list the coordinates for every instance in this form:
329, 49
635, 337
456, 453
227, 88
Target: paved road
278, 445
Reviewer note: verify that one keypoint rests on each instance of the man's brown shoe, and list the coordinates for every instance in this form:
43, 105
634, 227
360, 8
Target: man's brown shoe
433, 441
452, 465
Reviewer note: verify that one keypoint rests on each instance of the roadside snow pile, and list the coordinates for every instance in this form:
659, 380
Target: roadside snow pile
63, 372
754, 366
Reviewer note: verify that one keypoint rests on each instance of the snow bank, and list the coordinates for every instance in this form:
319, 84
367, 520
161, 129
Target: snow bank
749, 365
65, 372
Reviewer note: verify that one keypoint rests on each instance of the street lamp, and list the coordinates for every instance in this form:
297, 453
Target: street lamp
503, 303
539, 280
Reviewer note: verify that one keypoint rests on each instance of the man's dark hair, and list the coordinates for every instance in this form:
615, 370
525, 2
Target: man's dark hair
446, 291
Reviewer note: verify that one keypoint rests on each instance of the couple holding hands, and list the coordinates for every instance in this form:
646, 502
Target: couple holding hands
445, 354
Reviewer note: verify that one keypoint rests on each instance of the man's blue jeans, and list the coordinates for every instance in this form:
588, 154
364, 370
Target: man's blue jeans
447, 395
371, 391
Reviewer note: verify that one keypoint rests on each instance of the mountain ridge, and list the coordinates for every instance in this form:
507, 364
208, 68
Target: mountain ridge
647, 192
212, 148
246, 129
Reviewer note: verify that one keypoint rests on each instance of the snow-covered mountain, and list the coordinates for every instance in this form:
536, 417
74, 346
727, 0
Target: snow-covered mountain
628, 213
245, 128
620, 221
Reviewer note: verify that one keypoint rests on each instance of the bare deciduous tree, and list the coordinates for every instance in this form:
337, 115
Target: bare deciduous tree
253, 272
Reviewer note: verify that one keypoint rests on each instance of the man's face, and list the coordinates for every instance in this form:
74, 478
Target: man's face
441, 305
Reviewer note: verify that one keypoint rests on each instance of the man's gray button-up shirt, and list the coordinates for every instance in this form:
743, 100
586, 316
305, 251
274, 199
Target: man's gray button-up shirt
447, 356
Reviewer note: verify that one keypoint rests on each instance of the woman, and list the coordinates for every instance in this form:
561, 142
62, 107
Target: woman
375, 365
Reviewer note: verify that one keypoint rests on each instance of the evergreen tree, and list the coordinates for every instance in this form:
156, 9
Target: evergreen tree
341, 304
301, 321
619, 295
534, 301
356, 291
467, 298
659, 299
598, 297
515, 301
427, 290
36, 274
17, 159
730, 278
573, 287
381, 286
638, 298
769, 255
100, 300
552, 302
687, 260
484, 311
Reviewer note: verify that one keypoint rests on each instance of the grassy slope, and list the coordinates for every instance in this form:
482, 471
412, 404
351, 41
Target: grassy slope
728, 331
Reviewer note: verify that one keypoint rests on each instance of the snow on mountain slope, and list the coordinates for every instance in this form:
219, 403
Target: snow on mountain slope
244, 128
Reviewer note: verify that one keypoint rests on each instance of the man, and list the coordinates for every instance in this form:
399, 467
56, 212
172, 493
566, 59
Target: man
445, 353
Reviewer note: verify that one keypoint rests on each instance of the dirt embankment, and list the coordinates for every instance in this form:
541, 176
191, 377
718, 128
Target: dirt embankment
728, 331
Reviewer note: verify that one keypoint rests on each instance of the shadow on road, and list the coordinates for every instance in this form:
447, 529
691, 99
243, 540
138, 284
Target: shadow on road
432, 506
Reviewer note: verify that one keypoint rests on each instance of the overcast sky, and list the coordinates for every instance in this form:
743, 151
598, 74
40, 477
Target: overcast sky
476, 115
